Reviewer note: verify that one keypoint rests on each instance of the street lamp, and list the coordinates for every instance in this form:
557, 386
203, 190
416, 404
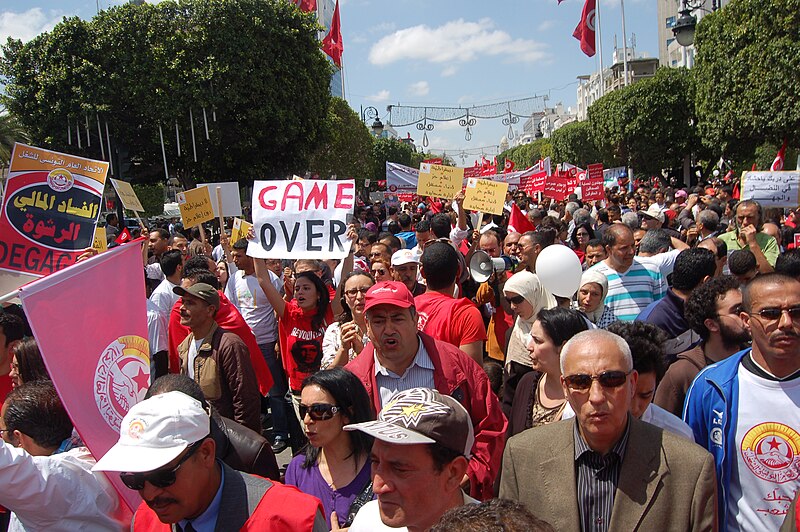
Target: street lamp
370, 113
685, 25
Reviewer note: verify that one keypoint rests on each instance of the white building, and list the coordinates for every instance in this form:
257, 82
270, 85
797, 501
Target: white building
670, 53
542, 124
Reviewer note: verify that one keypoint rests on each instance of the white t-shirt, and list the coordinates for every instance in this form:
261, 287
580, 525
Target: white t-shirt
655, 415
156, 328
247, 295
664, 261
194, 347
765, 473
164, 297
368, 518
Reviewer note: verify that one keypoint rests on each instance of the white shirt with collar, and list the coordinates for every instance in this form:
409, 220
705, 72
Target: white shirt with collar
368, 518
418, 375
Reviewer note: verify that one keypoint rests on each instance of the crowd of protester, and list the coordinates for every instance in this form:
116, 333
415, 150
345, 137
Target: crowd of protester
413, 394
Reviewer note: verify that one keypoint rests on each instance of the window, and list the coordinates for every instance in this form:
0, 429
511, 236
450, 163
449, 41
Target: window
670, 41
670, 22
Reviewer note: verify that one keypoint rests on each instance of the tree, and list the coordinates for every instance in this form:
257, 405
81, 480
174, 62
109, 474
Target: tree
10, 133
391, 150
347, 147
573, 143
249, 71
746, 72
526, 155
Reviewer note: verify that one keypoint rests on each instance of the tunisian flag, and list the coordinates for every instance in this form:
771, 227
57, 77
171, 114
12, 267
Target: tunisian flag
518, 222
777, 164
309, 6
94, 344
508, 166
584, 32
332, 43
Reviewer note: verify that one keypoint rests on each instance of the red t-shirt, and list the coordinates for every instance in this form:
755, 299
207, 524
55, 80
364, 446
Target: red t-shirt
301, 345
5, 387
455, 321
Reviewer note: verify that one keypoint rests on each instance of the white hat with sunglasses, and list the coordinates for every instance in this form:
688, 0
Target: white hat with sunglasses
155, 432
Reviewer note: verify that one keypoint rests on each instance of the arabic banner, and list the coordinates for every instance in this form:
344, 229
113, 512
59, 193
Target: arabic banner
485, 196
127, 196
100, 243
439, 181
195, 206
592, 189
304, 219
772, 189
50, 209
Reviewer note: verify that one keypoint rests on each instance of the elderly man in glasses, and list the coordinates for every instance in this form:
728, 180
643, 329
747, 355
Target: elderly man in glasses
606, 470
166, 453
744, 409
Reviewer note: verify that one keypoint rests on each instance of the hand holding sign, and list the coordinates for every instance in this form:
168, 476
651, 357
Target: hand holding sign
195, 206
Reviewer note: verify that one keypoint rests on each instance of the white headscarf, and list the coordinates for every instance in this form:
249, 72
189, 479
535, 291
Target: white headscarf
594, 276
528, 286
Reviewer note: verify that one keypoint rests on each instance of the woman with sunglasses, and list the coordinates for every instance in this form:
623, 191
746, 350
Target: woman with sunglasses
381, 270
580, 238
539, 398
335, 466
525, 295
345, 338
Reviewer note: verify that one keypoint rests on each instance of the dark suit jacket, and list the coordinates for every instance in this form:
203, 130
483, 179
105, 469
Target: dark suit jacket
666, 482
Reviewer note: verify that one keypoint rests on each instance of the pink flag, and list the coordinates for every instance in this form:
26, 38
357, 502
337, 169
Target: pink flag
777, 164
90, 321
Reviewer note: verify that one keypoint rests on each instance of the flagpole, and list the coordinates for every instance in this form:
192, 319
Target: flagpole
624, 42
599, 45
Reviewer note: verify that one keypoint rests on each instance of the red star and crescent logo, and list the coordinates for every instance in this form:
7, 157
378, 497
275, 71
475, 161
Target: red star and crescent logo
771, 451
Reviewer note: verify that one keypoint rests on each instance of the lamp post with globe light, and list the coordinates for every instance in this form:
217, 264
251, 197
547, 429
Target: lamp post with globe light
371, 113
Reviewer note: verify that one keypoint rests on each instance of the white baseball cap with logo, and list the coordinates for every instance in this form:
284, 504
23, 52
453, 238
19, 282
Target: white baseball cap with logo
155, 432
405, 256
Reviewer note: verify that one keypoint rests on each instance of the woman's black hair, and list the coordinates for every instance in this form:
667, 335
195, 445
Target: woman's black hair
351, 397
29, 361
574, 239
318, 319
561, 324
347, 312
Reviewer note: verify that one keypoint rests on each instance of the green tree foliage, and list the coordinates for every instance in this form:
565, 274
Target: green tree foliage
151, 197
573, 143
392, 150
10, 132
254, 65
747, 70
526, 155
347, 147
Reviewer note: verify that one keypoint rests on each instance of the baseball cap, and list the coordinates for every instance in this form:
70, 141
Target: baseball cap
422, 415
204, 291
404, 256
680, 194
155, 432
388, 293
654, 211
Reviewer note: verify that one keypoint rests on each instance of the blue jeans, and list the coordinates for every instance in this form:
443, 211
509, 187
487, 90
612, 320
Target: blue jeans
277, 394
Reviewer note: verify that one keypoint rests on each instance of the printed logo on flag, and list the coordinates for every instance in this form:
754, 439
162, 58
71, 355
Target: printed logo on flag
121, 378
60, 180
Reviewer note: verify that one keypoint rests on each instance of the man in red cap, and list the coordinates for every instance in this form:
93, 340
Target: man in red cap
400, 357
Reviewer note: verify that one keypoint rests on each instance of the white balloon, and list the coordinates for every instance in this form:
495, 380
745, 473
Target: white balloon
559, 269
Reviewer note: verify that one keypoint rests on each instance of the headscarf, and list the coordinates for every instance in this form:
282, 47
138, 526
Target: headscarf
593, 276
528, 286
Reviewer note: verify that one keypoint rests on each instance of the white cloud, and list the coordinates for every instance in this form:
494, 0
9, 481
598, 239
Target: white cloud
449, 71
380, 96
456, 41
27, 24
546, 25
420, 88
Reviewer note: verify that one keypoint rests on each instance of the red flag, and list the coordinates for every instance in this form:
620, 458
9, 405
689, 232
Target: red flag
584, 32
518, 222
95, 348
489, 170
753, 169
309, 6
332, 43
508, 166
123, 236
777, 164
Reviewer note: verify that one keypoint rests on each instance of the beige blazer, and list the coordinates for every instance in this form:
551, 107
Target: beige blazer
666, 482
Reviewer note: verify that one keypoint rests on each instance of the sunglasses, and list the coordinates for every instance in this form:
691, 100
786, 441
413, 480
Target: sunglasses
774, 314
379, 271
318, 411
352, 292
161, 478
516, 300
607, 379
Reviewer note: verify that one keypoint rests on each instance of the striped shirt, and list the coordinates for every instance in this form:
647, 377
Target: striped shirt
597, 477
629, 293
418, 375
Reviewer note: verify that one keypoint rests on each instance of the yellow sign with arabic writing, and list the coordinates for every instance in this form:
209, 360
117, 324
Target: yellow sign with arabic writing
100, 243
240, 229
485, 195
439, 181
126, 194
195, 206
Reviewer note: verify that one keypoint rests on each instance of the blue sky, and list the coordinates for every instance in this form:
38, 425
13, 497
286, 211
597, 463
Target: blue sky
438, 52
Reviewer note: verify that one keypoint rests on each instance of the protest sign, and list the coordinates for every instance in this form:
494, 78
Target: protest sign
50, 209
301, 219
401, 179
485, 196
439, 181
99, 366
593, 189
595, 171
231, 199
772, 189
127, 196
99, 242
240, 229
195, 206
555, 188
796, 238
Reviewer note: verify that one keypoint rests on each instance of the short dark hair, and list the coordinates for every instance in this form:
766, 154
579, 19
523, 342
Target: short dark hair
654, 241
12, 326
492, 515
647, 345
773, 277
404, 220
35, 410
788, 263
442, 455
169, 261
544, 235
574, 237
422, 226
110, 217
177, 382
691, 267
240, 244
394, 242
702, 302
440, 225
162, 233
561, 324
392, 210
202, 276
198, 262
366, 234
742, 261
30, 364
439, 265
595, 242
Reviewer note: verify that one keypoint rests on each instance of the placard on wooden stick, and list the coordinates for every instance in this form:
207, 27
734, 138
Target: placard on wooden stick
485, 195
127, 195
195, 206
439, 181
240, 229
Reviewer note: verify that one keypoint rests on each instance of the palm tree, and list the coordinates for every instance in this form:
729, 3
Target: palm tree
10, 132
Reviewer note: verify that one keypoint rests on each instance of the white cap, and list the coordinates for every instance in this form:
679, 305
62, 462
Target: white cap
156, 431
654, 211
404, 256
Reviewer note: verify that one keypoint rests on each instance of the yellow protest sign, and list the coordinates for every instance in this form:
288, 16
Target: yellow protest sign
439, 181
99, 242
127, 196
240, 229
195, 206
485, 195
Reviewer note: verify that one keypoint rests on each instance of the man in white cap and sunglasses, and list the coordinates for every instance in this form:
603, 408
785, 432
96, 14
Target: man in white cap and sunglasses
422, 446
606, 470
166, 453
